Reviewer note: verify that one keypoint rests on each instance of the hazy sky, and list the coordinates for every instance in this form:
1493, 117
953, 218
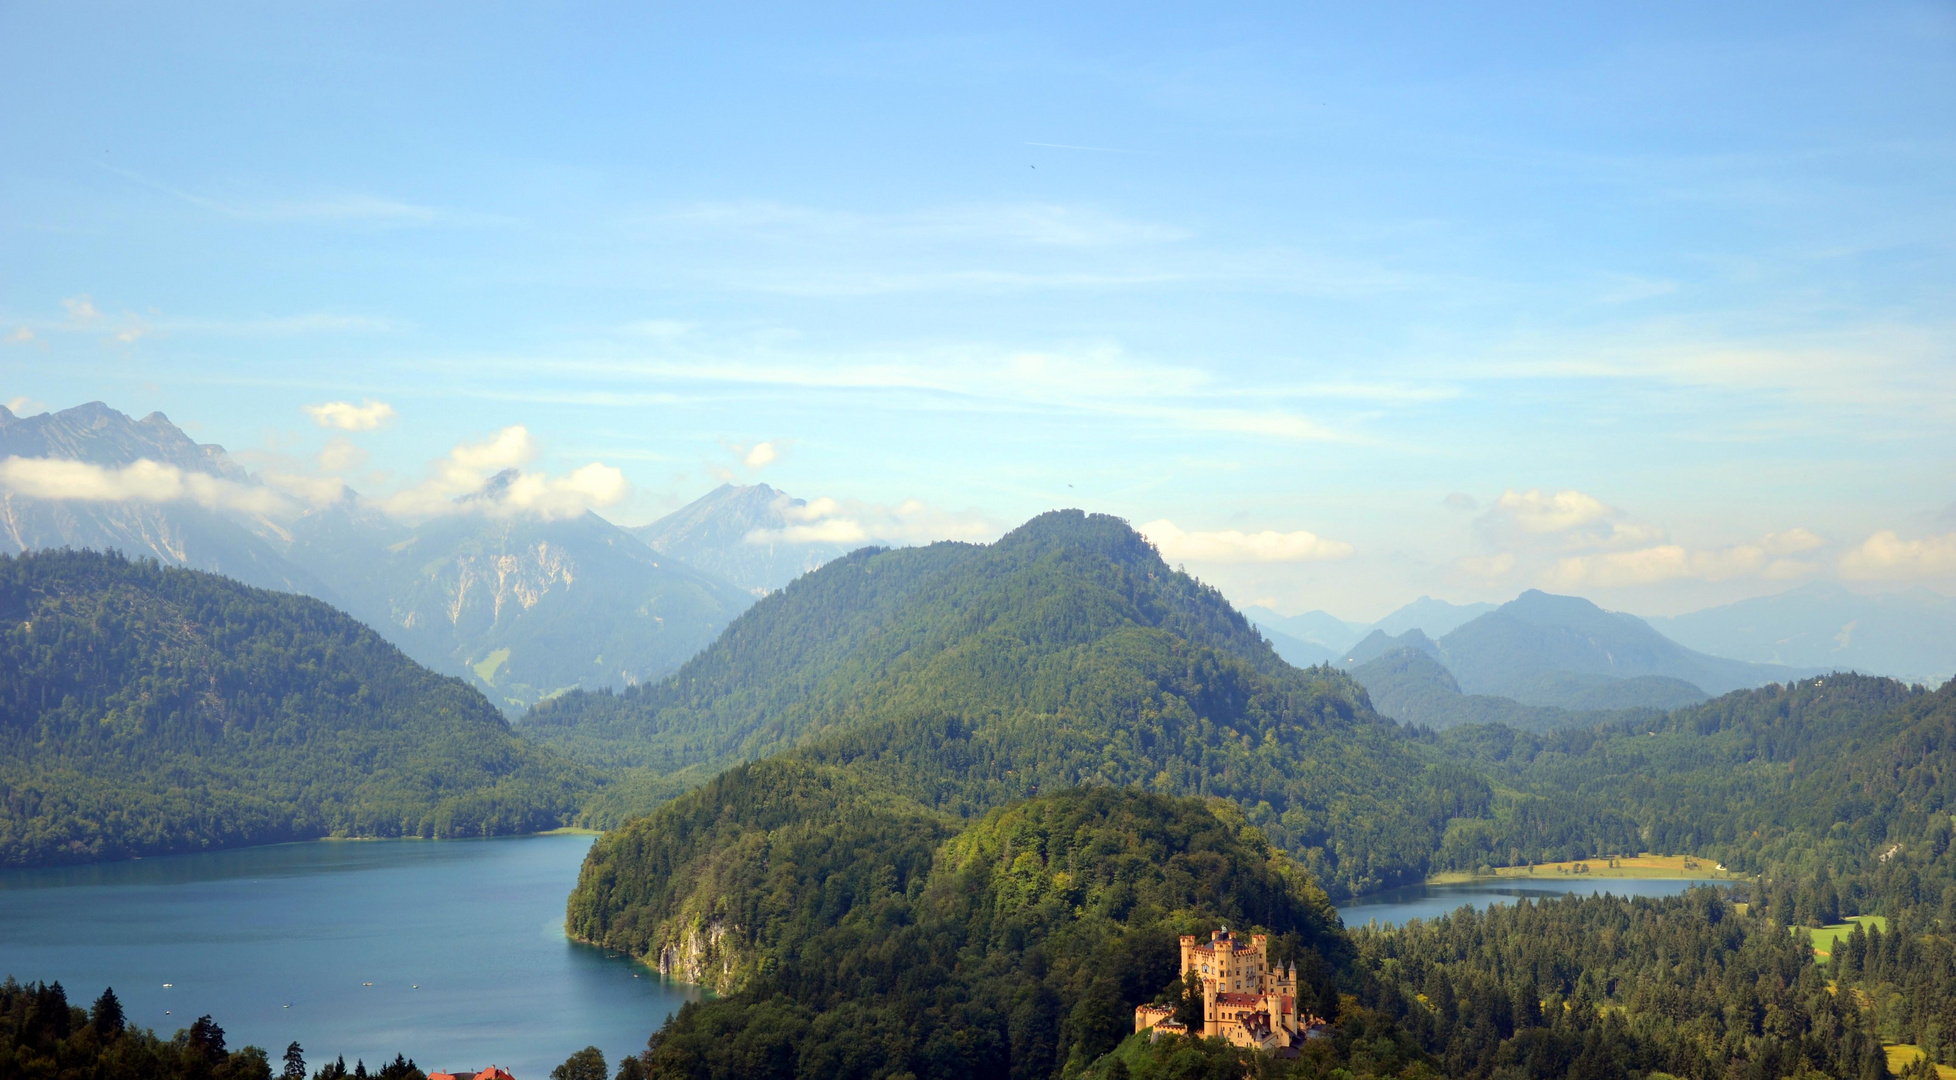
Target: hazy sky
1649, 303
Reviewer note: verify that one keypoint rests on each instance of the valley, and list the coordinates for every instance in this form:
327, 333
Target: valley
962, 795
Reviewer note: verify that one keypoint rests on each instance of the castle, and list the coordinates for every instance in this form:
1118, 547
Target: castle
1244, 1000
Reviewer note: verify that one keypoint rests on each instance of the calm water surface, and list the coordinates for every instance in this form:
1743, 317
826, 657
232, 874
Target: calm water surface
280, 943
1392, 907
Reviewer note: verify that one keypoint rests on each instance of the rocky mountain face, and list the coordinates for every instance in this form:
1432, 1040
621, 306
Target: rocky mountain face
743, 534
518, 605
177, 532
524, 607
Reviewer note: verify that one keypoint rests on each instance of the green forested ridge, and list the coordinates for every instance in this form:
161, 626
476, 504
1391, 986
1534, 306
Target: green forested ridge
1067, 653
1016, 948
1837, 792
1786, 778
1597, 987
147, 710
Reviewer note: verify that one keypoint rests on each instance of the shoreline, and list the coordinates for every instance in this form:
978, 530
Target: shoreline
1642, 867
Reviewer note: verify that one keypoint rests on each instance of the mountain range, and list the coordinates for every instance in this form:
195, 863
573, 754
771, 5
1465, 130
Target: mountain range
522, 606
1907, 635
1319, 637
526, 607
1542, 661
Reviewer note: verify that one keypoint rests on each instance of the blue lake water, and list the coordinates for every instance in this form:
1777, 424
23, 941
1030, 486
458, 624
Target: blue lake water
242, 935
1393, 907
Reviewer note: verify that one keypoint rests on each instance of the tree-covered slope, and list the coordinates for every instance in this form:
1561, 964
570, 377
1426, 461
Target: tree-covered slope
146, 709
1824, 772
1018, 947
1067, 653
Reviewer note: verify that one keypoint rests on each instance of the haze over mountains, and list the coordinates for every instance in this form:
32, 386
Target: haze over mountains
526, 606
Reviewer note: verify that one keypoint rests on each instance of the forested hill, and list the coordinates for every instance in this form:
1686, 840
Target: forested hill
1066, 653
860, 936
826, 649
147, 710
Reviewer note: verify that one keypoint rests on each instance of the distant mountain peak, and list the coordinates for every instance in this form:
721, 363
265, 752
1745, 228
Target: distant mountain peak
493, 490
732, 531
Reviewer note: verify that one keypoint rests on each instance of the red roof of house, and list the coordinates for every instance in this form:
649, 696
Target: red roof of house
1237, 999
494, 1072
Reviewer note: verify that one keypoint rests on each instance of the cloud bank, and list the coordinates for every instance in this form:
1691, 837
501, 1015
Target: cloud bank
1231, 546
1885, 556
347, 416
488, 477
847, 522
143, 481
1769, 557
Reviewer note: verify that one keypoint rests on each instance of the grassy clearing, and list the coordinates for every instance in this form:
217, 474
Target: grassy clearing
1902, 1055
1629, 866
1825, 938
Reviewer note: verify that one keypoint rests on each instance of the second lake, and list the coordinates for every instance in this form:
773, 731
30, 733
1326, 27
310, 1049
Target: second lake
1393, 907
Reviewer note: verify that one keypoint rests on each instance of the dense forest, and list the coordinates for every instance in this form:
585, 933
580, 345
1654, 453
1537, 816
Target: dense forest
964, 677
44, 1037
1837, 793
1598, 988
146, 710
1017, 947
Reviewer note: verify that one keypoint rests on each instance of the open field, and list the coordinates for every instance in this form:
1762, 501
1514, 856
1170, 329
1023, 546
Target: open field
1629, 866
1902, 1055
1825, 937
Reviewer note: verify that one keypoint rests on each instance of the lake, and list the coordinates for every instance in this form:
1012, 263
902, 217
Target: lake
450, 951
1392, 907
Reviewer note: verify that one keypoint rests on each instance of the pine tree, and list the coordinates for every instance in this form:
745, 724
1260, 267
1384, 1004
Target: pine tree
107, 1016
295, 1063
208, 1039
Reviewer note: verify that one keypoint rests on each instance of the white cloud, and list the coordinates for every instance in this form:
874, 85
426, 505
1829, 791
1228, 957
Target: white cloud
1768, 557
587, 488
1231, 546
1535, 512
469, 467
350, 417
21, 335
133, 330
509, 448
760, 455
1886, 556
849, 522
81, 309
25, 406
340, 456
144, 480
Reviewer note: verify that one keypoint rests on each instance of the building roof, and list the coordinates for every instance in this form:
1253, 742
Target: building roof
494, 1072
1238, 999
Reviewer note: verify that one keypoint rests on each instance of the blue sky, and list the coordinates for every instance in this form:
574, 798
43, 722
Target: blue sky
1350, 304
